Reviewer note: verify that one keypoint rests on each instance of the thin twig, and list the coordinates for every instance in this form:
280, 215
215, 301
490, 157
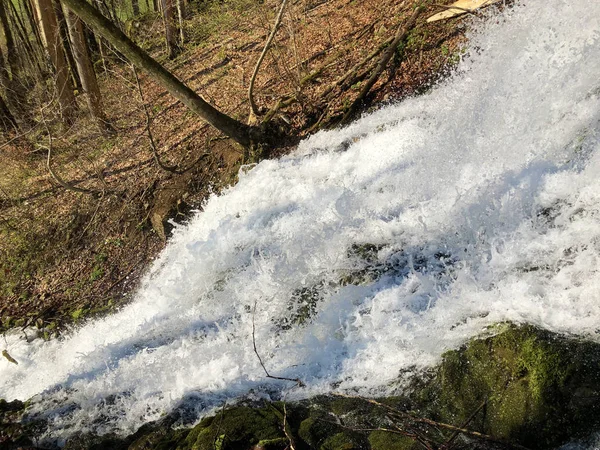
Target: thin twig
285, 430
434, 423
369, 430
57, 177
147, 125
159, 163
454, 435
218, 430
298, 381
91, 220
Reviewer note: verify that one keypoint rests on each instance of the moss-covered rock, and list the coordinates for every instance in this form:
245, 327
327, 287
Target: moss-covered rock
238, 428
14, 433
339, 441
382, 440
540, 388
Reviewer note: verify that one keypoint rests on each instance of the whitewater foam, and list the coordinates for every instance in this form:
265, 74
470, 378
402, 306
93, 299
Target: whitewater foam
475, 203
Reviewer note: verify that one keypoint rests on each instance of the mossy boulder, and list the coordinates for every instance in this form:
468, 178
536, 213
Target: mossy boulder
539, 388
384, 440
240, 428
14, 434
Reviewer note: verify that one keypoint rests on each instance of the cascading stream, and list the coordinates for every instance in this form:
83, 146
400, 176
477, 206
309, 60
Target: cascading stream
370, 250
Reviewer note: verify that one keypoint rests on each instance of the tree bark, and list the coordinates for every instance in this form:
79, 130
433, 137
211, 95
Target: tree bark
401, 35
10, 96
236, 130
7, 121
86, 69
64, 88
23, 34
12, 55
33, 18
171, 33
181, 14
253, 108
64, 37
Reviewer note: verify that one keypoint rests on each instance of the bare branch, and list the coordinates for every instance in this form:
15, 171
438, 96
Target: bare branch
298, 381
401, 35
55, 175
253, 107
414, 419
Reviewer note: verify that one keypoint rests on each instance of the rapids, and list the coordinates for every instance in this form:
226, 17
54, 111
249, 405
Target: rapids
475, 203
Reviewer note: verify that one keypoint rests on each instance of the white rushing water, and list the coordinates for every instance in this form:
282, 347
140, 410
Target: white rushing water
478, 202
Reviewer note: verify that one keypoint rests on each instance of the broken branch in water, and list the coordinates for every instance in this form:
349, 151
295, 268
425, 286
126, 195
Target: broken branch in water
298, 381
10, 358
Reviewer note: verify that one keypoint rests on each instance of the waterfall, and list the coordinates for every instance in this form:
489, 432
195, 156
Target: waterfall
368, 251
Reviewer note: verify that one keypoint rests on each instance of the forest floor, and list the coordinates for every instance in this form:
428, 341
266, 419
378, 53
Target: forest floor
66, 256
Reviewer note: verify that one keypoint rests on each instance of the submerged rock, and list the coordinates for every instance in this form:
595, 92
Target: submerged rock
521, 386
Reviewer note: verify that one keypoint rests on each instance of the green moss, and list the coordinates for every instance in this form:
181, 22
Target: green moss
273, 444
239, 427
306, 431
383, 440
527, 376
161, 438
78, 314
339, 441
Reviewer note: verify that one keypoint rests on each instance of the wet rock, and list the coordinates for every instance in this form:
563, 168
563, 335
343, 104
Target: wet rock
13, 434
89, 441
242, 427
540, 388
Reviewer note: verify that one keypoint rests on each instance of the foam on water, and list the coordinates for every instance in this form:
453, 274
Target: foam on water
481, 200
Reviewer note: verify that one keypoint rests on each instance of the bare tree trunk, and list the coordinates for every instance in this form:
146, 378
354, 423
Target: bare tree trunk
401, 35
170, 28
181, 14
236, 130
10, 96
90, 38
64, 37
12, 55
14, 92
32, 54
31, 13
7, 121
86, 69
64, 87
